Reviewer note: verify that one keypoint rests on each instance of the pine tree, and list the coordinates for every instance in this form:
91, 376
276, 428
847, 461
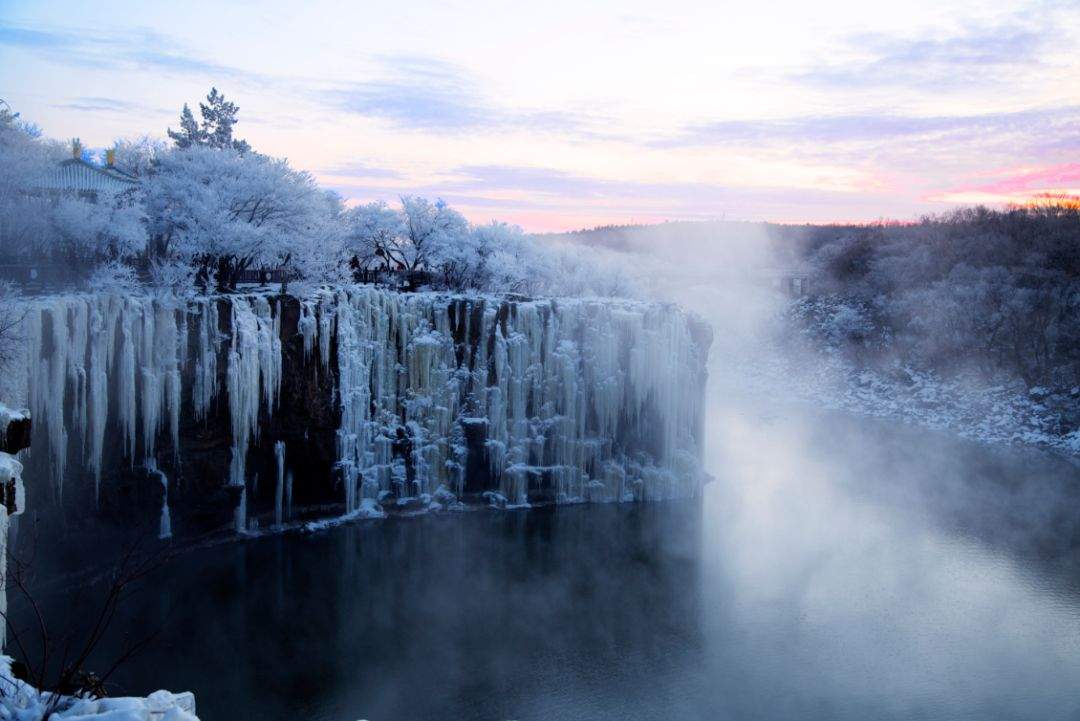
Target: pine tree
219, 117
216, 129
189, 133
7, 117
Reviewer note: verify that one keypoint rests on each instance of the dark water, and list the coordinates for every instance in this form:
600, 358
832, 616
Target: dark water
836, 569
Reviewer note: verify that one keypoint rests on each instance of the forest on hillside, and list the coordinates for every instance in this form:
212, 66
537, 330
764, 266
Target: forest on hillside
989, 293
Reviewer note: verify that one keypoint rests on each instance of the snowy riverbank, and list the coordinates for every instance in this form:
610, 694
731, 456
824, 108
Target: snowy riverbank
1000, 414
19, 701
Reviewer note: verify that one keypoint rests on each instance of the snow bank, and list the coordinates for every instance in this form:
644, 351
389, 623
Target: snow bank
20, 701
993, 415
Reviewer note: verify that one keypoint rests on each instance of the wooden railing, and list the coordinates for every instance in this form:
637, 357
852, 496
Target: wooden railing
33, 278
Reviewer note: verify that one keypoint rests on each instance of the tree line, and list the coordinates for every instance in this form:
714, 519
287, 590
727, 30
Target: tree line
209, 207
977, 289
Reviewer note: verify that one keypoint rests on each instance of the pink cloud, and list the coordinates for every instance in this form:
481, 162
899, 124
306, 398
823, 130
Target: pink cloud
1054, 177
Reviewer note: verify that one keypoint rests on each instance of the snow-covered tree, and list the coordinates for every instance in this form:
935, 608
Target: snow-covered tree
490, 257
429, 229
224, 211
209, 208
114, 276
26, 159
110, 229
137, 155
462, 263
219, 117
189, 134
216, 129
374, 235
321, 257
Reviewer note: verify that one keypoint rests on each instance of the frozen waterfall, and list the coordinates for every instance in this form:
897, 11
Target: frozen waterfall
601, 397
594, 400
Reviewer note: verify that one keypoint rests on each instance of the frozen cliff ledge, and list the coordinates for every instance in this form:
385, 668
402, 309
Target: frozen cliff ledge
14, 429
280, 409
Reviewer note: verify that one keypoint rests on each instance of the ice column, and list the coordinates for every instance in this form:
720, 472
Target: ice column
279, 490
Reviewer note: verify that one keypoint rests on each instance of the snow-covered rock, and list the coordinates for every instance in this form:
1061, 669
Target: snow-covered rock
20, 701
14, 429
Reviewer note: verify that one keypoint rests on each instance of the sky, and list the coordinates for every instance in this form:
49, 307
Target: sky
560, 115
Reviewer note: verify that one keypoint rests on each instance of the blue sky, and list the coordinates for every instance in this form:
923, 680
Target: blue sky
559, 115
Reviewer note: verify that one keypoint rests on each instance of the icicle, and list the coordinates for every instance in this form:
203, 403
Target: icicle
279, 490
288, 495
10, 474
308, 327
52, 394
126, 396
204, 385
254, 366
165, 520
326, 319
152, 385
102, 324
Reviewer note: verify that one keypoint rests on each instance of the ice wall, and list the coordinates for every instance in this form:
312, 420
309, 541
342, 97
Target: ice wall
590, 400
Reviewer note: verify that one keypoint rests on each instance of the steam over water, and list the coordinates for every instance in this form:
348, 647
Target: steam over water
836, 570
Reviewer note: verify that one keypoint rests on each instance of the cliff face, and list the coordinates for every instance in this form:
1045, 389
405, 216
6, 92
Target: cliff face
243, 412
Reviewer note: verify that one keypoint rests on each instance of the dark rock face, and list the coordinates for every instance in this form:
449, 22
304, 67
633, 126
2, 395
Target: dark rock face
306, 419
17, 436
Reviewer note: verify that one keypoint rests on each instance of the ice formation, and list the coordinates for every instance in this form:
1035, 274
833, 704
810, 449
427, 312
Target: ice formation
165, 521
93, 357
105, 355
599, 398
253, 380
19, 701
593, 400
279, 489
10, 476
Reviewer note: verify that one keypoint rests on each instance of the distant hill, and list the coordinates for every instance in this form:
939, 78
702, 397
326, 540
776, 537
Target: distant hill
720, 241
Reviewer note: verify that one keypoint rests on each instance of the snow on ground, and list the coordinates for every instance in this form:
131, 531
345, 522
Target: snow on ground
8, 415
994, 415
20, 701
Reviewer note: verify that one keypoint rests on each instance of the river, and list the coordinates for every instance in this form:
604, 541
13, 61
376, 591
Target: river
837, 568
